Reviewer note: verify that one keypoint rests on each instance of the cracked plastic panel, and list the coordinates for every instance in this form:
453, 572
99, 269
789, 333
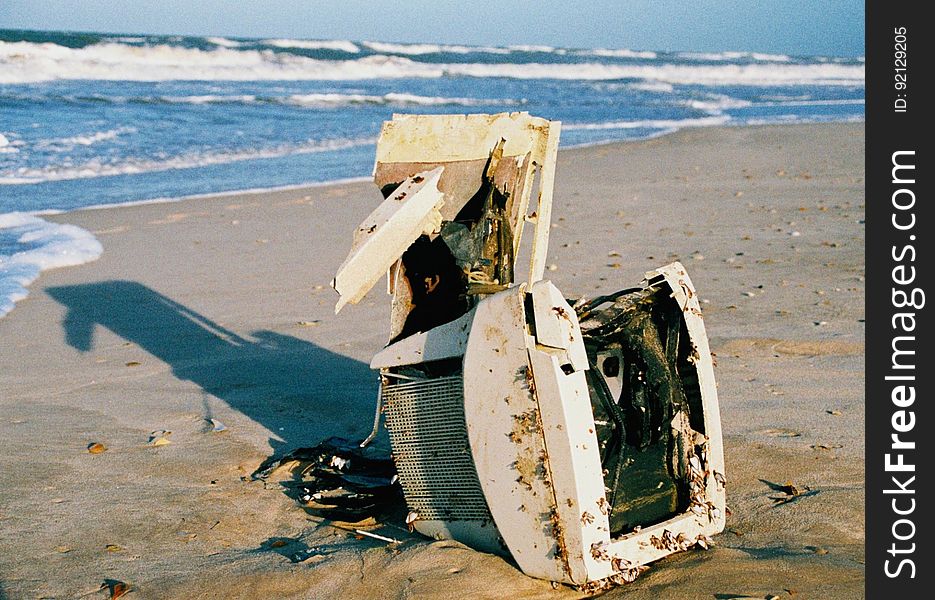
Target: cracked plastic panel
447, 254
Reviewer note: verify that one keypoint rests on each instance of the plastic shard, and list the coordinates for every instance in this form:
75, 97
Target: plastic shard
409, 211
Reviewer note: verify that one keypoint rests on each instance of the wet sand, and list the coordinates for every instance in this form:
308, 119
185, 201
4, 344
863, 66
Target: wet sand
220, 308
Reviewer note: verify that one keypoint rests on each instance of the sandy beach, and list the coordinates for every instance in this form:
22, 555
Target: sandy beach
220, 308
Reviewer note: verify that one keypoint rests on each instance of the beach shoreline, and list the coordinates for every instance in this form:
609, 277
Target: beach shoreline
298, 187
220, 307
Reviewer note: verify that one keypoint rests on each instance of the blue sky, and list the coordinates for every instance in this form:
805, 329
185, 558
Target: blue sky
790, 27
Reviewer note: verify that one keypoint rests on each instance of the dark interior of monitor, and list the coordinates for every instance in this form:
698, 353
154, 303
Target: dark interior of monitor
471, 255
643, 384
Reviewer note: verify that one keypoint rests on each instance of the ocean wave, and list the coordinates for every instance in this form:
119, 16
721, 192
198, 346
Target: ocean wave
316, 100
620, 53
127, 39
196, 99
792, 119
656, 87
729, 74
665, 124
785, 97
421, 49
224, 42
24, 62
339, 45
729, 56
326, 100
6, 146
536, 48
44, 245
716, 104
132, 166
796, 102
67, 143
652, 86
392, 98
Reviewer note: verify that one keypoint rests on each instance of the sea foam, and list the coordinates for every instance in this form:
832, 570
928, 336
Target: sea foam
716, 104
420, 49
88, 139
725, 56
222, 41
315, 100
132, 165
663, 124
45, 246
6, 147
620, 53
338, 45
26, 62
392, 98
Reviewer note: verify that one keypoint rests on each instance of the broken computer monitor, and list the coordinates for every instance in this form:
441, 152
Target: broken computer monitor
581, 440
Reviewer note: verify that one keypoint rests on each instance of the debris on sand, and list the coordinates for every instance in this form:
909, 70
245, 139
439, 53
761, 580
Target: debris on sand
508, 409
790, 492
116, 588
159, 438
336, 479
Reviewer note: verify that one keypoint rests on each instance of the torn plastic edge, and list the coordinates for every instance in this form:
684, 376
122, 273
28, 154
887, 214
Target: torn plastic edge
411, 210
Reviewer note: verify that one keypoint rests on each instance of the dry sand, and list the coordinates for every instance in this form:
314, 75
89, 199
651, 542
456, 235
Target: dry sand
220, 308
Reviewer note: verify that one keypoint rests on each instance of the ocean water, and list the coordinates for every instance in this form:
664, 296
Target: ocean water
92, 119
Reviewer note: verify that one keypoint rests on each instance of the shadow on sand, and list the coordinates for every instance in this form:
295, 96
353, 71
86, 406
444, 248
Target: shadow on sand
301, 392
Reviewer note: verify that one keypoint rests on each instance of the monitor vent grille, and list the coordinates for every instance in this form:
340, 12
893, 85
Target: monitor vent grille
425, 420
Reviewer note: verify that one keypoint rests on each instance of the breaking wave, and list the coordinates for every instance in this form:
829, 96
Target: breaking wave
398, 99
726, 56
338, 45
131, 166
67, 143
536, 48
226, 43
324, 100
316, 100
664, 124
421, 49
805, 102
621, 53
716, 104
7, 147
26, 62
